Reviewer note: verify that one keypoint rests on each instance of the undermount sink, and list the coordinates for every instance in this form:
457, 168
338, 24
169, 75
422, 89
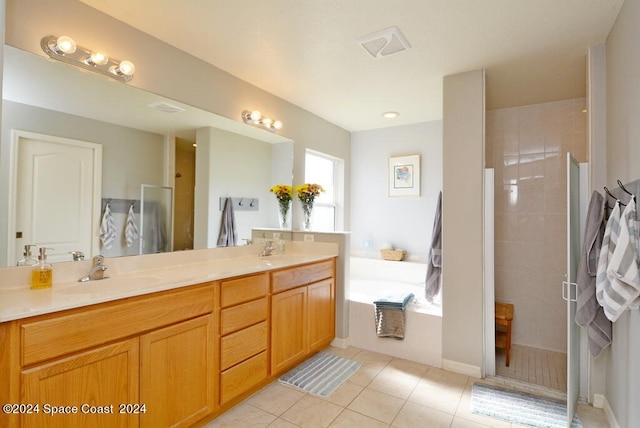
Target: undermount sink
110, 284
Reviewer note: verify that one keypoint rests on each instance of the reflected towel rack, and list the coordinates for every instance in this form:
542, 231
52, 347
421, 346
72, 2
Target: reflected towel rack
121, 206
241, 204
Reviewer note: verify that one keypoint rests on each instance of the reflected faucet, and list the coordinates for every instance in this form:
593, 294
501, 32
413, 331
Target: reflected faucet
97, 271
268, 248
78, 256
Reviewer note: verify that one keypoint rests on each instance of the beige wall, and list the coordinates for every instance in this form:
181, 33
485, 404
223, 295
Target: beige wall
462, 223
527, 146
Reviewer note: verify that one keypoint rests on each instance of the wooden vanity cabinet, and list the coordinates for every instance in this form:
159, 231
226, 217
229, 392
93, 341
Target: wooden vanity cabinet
302, 313
174, 358
109, 374
148, 360
244, 329
177, 372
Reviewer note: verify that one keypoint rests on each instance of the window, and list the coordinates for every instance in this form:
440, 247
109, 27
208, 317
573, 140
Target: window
328, 172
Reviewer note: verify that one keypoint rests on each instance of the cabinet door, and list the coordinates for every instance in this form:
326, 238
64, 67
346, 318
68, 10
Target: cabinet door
321, 314
95, 382
288, 328
177, 379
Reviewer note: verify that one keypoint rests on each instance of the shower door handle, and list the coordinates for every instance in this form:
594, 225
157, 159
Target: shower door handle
566, 287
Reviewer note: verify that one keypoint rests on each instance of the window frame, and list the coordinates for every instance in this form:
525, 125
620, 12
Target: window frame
338, 188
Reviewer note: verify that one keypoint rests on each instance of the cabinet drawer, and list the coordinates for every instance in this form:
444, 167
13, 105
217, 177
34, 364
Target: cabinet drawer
51, 336
295, 277
243, 289
242, 377
244, 315
242, 345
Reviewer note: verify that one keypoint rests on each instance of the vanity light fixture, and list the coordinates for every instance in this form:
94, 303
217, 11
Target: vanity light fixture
255, 118
65, 49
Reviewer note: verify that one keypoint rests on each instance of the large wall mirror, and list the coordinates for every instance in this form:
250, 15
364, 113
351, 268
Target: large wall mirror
145, 140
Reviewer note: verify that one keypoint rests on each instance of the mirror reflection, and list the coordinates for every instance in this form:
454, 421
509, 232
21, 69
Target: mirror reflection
132, 139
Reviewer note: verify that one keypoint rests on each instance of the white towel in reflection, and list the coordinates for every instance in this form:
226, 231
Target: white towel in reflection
107, 228
131, 229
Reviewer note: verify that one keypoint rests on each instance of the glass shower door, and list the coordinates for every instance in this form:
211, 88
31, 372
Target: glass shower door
569, 287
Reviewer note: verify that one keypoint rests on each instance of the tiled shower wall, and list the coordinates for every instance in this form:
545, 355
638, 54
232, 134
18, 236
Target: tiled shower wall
527, 146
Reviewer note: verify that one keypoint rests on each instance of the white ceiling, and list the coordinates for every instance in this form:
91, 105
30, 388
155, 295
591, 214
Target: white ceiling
306, 51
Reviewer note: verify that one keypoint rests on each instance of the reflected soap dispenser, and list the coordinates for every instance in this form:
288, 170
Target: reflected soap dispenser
28, 259
42, 273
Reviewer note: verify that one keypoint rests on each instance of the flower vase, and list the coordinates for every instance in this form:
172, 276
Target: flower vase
307, 209
283, 214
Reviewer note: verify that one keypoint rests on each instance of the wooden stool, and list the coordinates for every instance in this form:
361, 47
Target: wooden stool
504, 316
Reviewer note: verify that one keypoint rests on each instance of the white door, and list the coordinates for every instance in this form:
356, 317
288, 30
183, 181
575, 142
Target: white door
569, 289
57, 195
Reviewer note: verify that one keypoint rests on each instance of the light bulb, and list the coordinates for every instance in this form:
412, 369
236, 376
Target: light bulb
267, 122
255, 115
126, 68
65, 45
277, 124
97, 58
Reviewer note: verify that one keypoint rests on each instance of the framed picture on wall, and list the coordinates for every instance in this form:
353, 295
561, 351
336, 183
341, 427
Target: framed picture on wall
404, 175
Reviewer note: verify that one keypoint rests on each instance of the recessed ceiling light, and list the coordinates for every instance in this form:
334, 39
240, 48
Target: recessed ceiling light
390, 114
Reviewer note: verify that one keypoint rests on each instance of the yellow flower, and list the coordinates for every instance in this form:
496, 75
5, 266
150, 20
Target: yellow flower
283, 192
307, 192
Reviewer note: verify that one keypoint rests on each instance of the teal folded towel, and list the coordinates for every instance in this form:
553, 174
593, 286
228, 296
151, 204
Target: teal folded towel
394, 300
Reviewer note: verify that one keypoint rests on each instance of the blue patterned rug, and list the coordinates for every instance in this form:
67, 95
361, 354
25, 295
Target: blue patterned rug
519, 407
321, 374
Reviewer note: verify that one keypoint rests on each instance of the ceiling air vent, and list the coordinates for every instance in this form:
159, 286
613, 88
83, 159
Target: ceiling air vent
165, 107
384, 42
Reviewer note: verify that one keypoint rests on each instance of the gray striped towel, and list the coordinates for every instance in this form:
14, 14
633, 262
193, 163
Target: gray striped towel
107, 228
131, 229
623, 287
609, 240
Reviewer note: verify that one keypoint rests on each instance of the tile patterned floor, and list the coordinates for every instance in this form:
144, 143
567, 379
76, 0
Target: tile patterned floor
534, 366
385, 392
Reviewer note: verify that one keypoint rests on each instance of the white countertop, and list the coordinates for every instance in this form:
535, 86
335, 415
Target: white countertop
139, 275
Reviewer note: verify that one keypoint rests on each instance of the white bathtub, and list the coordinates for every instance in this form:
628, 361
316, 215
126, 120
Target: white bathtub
372, 278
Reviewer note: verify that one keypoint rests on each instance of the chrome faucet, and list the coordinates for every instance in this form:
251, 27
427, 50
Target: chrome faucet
78, 256
268, 248
97, 271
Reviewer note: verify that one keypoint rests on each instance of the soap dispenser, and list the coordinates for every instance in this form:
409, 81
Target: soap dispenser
42, 273
28, 259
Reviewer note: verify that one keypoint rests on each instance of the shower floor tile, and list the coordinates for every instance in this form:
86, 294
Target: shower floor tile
535, 366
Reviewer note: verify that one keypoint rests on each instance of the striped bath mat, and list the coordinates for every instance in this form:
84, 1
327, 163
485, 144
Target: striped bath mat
321, 374
519, 407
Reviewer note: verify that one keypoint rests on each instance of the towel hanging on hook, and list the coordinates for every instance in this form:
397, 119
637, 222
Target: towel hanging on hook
107, 227
131, 232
